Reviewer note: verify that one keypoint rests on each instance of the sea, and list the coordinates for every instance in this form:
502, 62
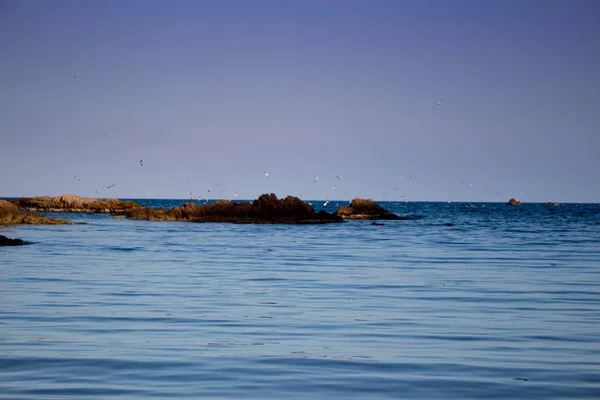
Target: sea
459, 301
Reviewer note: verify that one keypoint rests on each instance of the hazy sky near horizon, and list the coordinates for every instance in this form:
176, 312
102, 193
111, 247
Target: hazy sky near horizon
212, 94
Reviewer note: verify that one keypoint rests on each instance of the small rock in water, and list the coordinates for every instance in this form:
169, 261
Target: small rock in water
4, 241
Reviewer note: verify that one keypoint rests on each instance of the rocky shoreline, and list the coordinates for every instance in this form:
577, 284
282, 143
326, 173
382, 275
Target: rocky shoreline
11, 215
267, 209
75, 204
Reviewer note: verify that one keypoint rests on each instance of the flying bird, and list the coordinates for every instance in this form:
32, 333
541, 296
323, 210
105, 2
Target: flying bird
142, 163
109, 186
267, 174
339, 176
76, 178
439, 103
316, 180
326, 202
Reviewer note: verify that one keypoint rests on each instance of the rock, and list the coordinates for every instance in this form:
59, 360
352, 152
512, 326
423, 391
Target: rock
7, 209
10, 215
4, 241
551, 203
365, 209
267, 209
72, 203
514, 202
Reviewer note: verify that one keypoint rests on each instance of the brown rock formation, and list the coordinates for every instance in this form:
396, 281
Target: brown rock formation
10, 215
365, 209
267, 209
551, 203
7, 208
72, 203
4, 241
514, 202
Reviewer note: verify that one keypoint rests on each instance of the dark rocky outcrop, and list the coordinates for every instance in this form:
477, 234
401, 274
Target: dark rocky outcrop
551, 203
514, 202
267, 209
4, 241
72, 203
10, 215
365, 209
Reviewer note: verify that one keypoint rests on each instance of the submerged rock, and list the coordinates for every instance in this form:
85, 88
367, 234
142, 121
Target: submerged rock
267, 209
4, 241
72, 203
10, 215
365, 209
514, 202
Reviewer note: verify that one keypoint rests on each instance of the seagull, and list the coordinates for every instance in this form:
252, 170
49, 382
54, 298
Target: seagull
142, 163
109, 186
104, 133
316, 180
267, 175
333, 187
98, 191
171, 185
439, 103
74, 76
76, 178
339, 176
191, 195
326, 202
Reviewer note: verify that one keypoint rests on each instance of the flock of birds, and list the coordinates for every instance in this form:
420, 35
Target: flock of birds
388, 187
316, 180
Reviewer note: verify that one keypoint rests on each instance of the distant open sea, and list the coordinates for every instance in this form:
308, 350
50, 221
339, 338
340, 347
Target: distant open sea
503, 303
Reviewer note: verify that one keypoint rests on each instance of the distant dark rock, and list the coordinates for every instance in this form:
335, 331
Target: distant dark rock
551, 203
365, 209
4, 241
72, 203
514, 202
267, 209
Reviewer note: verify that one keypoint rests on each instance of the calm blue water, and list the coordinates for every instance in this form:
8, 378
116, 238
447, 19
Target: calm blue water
120, 309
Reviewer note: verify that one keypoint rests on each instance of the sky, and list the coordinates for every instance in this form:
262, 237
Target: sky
461, 100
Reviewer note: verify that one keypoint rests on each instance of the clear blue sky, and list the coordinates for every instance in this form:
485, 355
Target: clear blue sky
211, 94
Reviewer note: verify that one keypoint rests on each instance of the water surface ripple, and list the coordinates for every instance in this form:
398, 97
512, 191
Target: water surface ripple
462, 301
